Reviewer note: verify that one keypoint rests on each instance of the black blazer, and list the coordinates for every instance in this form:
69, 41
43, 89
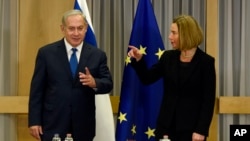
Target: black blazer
186, 107
58, 102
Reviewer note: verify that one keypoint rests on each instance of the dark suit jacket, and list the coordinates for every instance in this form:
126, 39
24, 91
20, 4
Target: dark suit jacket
60, 103
186, 107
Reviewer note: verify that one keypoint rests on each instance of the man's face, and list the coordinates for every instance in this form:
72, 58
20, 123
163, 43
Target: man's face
74, 30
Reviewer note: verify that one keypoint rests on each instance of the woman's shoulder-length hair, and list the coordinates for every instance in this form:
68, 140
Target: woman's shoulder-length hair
190, 32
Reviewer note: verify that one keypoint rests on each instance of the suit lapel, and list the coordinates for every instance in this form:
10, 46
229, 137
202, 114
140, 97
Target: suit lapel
85, 53
62, 54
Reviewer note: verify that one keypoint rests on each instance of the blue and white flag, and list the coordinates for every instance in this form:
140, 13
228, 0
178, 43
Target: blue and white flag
90, 36
140, 104
104, 115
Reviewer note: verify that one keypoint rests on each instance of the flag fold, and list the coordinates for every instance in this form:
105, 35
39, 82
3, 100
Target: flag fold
140, 104
104, 114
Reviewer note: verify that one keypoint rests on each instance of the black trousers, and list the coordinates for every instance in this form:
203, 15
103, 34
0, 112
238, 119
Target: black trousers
181, 136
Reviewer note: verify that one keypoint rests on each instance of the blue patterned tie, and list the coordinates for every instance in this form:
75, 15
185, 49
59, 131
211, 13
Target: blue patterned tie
73, 62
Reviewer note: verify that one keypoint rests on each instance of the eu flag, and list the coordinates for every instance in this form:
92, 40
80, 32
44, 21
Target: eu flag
140, 104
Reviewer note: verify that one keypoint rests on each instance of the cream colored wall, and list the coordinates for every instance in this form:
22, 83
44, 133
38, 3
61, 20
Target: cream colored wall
39, 24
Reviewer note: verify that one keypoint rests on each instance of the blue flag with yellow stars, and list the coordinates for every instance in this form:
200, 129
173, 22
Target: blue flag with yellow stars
140, 104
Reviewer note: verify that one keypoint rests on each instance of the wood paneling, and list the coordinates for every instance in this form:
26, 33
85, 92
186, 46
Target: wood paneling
19, 104
14, 104
234, 105
212, 49
39, 24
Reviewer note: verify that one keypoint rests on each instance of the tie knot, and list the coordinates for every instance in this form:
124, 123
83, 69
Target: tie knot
74, 50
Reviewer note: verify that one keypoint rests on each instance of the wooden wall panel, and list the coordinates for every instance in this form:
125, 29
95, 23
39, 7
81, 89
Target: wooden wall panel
212, 49
39, 24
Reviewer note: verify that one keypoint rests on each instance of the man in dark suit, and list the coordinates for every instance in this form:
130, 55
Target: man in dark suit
62, 100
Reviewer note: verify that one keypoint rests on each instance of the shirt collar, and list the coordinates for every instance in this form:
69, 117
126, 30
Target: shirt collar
69, 47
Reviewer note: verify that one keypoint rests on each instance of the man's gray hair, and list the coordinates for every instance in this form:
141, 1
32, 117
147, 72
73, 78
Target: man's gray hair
72, 12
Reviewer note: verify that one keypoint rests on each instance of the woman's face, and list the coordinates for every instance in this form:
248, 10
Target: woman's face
174, 36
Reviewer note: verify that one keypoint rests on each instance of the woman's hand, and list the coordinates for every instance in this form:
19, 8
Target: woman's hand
198, 137
135, 53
